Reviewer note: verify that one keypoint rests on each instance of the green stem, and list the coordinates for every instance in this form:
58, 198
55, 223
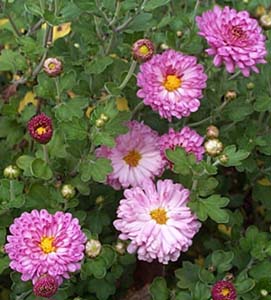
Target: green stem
110, 44
129, 75
234, 75
16, 30
58, 99
116, 14
45, 154
11, 191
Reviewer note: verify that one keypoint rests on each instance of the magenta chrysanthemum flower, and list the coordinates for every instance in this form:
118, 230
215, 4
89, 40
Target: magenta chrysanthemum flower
224, 290
157, 221
135, 157
52, 66
171, 83
234, 38
143, 50
46, 286
40, 128
41, 243
187, 138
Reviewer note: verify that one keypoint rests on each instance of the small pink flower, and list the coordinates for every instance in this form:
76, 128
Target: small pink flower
224, 290
157, 221
234, 38
143, 50
171, 83
187, 138
135, 157
40, 128
52, 67
46, 286
40, 243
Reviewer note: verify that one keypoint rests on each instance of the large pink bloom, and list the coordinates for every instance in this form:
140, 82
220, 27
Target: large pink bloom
234, 38
41, 243
187, 138
135, 157
157, 221
171, 83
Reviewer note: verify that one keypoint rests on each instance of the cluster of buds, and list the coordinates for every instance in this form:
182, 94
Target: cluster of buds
93, 248
100, 122
12, 172
142, 50
68, 191
52, 67
213, 146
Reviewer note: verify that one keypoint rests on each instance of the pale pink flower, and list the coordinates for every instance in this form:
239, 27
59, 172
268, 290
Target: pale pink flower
171, 83
135, 157
187, 138
234, 38
157, 221
41, 243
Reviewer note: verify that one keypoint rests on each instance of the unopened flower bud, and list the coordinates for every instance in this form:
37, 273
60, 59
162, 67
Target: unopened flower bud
99, 200
250, 86
265, 21
46, 286
260, 10
52, 67
164, 46
230, 95
213, 147
120, 247
40, 128
223, 158
179, 33
212, 132
68, 191
99, 123
143, 50
76, 45
12, 172
264, 292
104, 117
93, 248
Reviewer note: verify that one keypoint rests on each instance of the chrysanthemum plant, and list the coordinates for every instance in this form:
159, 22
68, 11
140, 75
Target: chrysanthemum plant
135, 150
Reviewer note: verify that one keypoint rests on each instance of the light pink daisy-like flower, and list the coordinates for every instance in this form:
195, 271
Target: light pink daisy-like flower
187, 138
41, 243
157, 221
235, 39
171, 83
135, 157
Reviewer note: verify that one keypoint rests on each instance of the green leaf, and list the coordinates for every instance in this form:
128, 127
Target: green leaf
244, 286
183, 296
11, 194
206, 276
98, 65
95, 267
140, 23
12, 61
103, 288
201, 292
235, 156
261, 270
4, 263
108, 255
212, 207
152, 4
75, 129
24, 162
72, 108
263, 103
158, 289
97, 220
179, 158
57, 147
222, 260
40, 169
187, 276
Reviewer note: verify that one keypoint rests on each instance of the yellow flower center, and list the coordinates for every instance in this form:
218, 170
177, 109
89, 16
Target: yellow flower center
132, 158
51, 66
144, 50
46, 244
159, 215
41, 130
237, 32
172, 83
225, 292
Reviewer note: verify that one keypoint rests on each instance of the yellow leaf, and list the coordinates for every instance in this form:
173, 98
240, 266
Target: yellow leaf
61, 30
28, 98
3, 21
264, 182
89, 111
122, 104
224, 229
199, 261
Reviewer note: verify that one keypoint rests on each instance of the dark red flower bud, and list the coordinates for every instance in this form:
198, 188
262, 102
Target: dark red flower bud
40, 128
224, 290
46, 286
143, 50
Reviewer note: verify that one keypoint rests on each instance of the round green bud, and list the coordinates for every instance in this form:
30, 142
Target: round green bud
12, 172
68, 191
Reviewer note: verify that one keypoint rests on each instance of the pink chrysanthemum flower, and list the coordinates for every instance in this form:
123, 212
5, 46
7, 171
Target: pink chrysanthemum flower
143, 50
171, 83
135, 157
41, 243
40, 128
157, 221
224, 290
234, 38
187, 138
46, 286
52, 67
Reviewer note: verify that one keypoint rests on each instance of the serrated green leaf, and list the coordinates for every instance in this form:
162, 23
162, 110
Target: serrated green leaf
158, 289
40, 169
222, 260
153, 4
234, 156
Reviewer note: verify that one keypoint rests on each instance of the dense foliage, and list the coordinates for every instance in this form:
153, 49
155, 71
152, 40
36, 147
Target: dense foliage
88, 100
